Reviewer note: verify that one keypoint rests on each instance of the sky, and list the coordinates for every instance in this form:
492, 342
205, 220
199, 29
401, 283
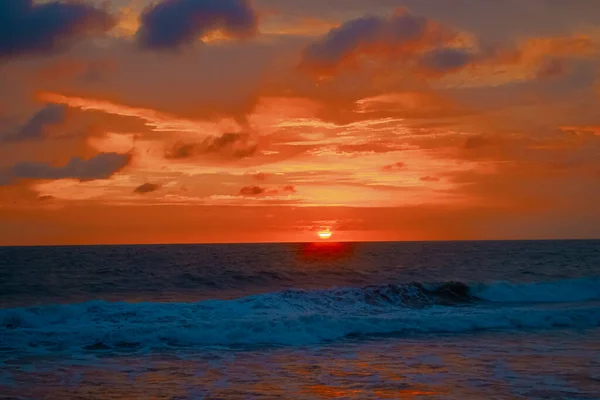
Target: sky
202, 121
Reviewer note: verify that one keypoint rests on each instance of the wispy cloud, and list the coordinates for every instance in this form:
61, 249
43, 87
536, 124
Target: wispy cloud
156, 120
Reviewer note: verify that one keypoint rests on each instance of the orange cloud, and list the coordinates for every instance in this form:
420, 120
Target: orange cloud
529, 59
594, 130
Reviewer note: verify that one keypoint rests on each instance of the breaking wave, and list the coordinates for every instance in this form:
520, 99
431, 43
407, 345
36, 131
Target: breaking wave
297, 317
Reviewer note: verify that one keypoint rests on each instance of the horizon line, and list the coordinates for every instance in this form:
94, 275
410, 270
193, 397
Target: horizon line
299, 242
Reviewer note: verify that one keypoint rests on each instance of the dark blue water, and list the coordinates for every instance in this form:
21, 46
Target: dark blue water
40, 275
370, 320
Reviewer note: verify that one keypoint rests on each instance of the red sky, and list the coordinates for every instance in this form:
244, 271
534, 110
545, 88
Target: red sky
132, 121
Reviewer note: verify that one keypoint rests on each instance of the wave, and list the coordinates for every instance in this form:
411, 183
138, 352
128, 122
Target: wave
562, 291
297, 317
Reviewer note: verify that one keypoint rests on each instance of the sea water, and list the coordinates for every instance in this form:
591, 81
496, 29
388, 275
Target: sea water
445, 320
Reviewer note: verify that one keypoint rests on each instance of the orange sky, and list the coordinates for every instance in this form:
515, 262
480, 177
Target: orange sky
268, 120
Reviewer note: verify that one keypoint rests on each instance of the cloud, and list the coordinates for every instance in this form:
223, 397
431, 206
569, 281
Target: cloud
394, 167
376, 146
35, 128
552, 68
401, 34
181, 151
228, 145
477, 142
429, 179
146, 188
405, 46
155, 120
260, 176
252, 191
446, 59
171, 24
255, 191
102, 166
580, 130
45, 198
26, 27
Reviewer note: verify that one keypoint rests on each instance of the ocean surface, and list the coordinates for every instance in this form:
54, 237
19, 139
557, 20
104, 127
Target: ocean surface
426, 320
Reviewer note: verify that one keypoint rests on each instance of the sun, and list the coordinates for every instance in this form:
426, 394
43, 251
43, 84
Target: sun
324, 234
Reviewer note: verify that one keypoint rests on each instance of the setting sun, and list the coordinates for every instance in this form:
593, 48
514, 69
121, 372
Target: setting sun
324, 234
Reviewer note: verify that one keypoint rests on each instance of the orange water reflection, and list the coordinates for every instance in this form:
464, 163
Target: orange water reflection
328, 392
325, 251
475, 367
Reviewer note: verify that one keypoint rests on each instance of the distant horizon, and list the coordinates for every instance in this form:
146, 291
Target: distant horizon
317, 241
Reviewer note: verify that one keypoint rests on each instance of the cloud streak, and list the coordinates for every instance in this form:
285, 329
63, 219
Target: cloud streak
155, 120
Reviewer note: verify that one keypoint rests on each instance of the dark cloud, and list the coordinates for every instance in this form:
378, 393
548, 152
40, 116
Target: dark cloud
552, 68
366, 34
446, 59
146, 188
228, 145
35, 128
476, 142
528, 18
252, 191
238, 144
102, 166
181, 151
171, 24
394, 167
26, 27
45, 198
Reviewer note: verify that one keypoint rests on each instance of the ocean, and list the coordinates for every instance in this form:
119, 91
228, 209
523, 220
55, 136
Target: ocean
410, 320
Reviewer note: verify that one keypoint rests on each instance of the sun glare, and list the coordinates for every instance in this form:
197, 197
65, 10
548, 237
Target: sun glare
324, 234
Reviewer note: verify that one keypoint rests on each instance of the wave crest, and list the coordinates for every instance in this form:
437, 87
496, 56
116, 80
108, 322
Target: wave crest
295, 317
